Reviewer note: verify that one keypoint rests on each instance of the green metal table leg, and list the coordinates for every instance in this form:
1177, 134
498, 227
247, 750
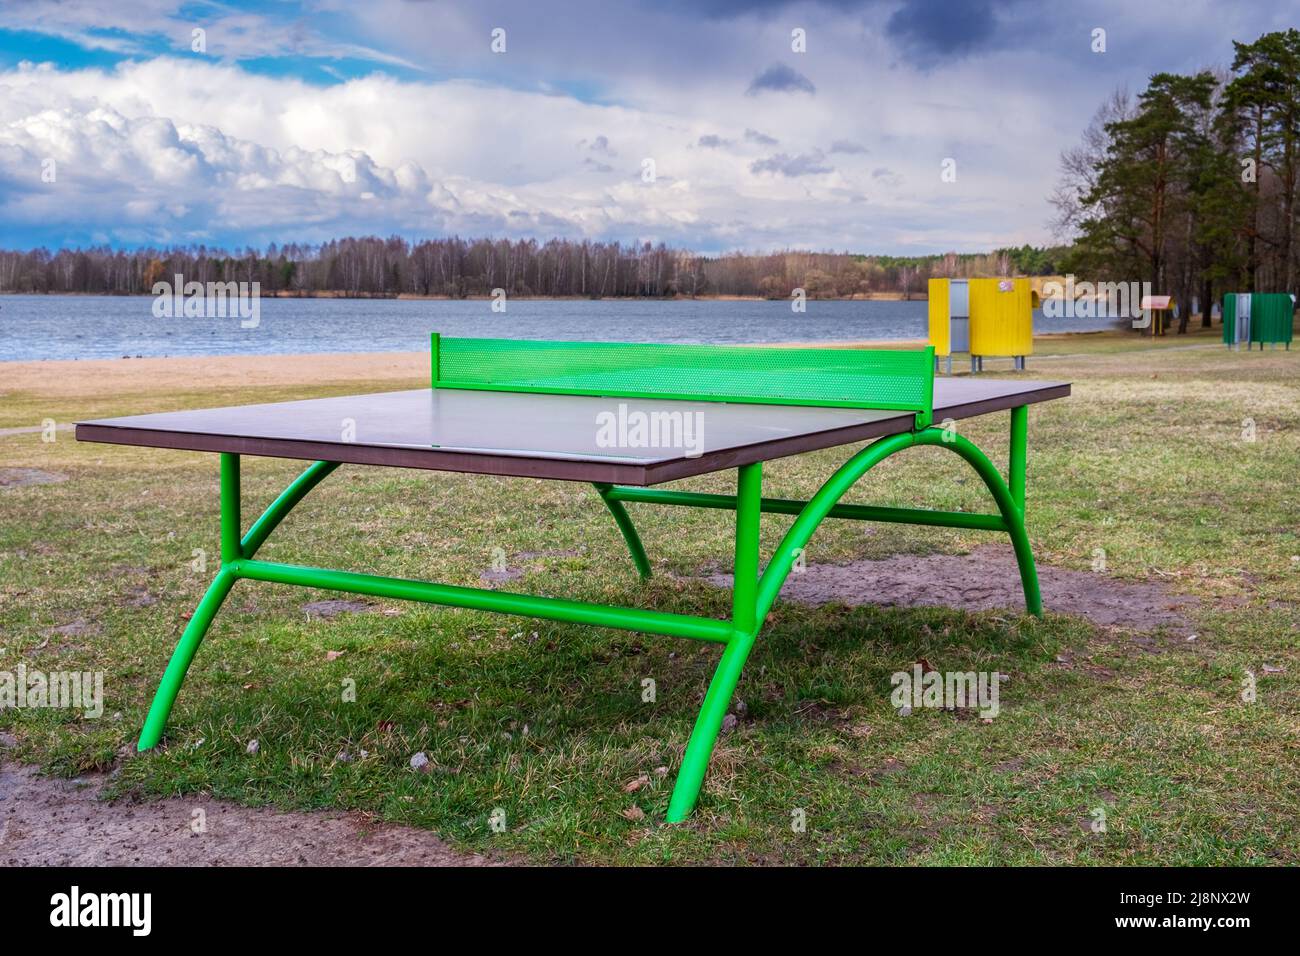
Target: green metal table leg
192, 637
1017, 467
1005, 498
232, 548
624, 522
704, 736
1016, 472
289, 498
1028, 572
749, 509
189, 643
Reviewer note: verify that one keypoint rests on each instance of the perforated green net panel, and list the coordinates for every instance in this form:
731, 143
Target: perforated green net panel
854, 378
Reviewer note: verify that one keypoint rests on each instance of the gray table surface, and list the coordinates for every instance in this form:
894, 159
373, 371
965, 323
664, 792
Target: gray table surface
543, 436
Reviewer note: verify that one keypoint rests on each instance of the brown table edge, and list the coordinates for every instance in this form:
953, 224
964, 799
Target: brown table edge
426, 459
660, 472
1003, 403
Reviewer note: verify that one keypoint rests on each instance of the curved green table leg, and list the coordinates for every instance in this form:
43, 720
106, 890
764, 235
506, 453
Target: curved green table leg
750, 603
817, 508
297, 490
820, 505
1012, 512
233, 549
704, 736
625, 525
699, 749
1028, 572
189, 643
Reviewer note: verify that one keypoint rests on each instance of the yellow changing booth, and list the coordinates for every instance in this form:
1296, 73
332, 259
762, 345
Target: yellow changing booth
983, 317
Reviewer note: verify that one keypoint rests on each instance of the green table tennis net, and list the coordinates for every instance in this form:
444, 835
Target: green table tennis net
838, 377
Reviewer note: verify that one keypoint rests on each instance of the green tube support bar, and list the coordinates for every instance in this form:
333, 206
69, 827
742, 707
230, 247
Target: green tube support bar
480, 599
282, 505
790, 506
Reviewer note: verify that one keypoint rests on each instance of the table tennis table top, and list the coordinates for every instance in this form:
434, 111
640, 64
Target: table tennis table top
541, 435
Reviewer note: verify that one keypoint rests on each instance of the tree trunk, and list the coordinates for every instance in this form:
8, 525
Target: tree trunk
1252, 247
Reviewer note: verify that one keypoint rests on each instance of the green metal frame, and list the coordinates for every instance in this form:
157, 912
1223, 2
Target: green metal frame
752, 595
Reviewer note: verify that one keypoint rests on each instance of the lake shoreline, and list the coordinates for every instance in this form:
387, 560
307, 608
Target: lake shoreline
74, 377
416, 297
80, 328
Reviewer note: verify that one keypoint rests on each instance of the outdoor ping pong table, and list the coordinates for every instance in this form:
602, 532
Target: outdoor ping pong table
600, 413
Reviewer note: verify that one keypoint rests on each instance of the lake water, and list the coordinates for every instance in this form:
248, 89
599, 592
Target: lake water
69, 327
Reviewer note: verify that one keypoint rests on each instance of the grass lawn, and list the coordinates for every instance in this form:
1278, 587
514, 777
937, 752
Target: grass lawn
1148, 462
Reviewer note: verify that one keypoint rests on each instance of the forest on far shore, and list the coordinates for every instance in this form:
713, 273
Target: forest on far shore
459, 268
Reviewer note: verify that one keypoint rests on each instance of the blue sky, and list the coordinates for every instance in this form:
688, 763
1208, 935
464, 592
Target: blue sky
712, 125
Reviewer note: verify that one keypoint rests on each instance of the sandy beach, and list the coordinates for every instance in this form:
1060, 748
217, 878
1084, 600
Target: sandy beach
70, 379
73, 378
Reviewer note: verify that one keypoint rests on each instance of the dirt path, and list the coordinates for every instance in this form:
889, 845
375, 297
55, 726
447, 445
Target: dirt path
51, 822
984, 579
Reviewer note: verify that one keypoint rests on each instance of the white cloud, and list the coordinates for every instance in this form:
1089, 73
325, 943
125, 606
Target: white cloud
144, 178
177, 148
194, 145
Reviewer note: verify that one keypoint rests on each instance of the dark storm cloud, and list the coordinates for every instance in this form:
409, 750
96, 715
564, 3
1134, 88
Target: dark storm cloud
944, 27
598, 145
803, 164
731, 9
779, 78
